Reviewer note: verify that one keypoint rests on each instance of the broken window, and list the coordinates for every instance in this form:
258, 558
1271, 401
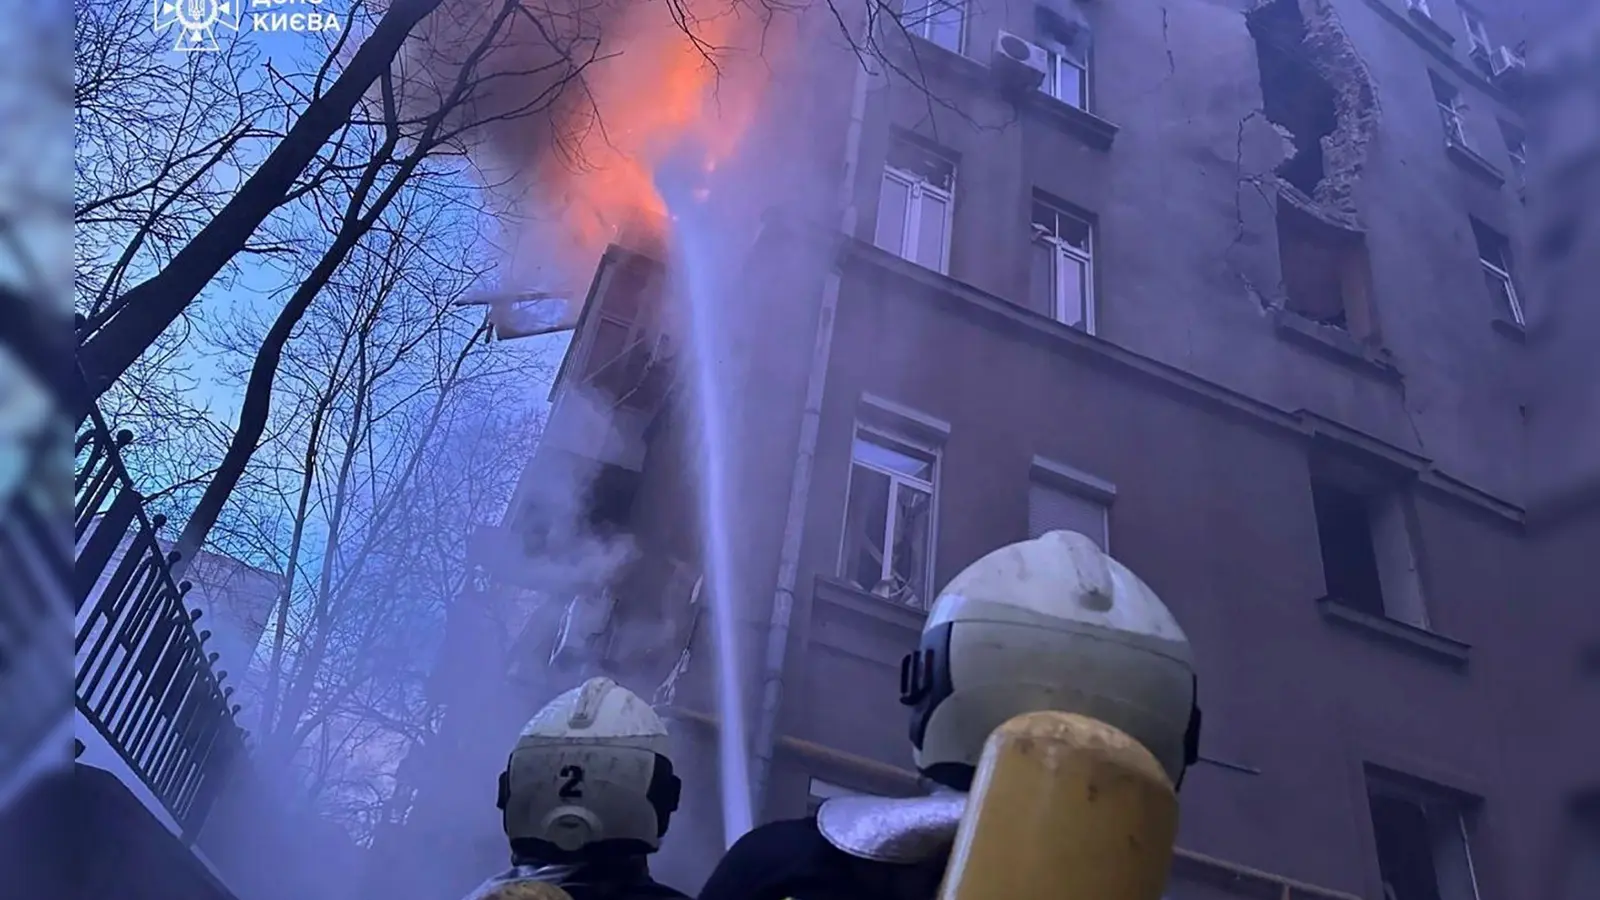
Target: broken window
942, 22
888, 539
1294, 95
1477, 34
1422, 841
914, 205
1364, 534
1494, 257
1448, 99
1349, 563
1325, 272
1062, 277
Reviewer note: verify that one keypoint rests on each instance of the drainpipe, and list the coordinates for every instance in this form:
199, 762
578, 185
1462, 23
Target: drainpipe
766, 735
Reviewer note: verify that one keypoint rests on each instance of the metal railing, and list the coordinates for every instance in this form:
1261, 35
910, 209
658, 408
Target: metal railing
144, 678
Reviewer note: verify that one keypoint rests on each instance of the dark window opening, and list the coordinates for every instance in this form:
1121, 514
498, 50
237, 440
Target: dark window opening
1325, 276
1405, 849
610, 500
1294, 95
1349, 558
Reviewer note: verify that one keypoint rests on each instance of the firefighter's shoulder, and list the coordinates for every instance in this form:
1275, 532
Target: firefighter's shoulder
769, 862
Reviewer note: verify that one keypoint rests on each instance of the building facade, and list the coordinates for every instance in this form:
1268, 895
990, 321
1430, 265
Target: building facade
1245, 292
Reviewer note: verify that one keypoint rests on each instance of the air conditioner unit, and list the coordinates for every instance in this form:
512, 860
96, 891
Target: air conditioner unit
1507, 62
1019, 63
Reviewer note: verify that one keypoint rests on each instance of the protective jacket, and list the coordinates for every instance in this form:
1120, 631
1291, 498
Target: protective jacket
856, 848
612, 879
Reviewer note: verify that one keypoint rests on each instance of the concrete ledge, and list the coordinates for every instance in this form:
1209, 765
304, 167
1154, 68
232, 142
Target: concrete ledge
840, 593
1082, 124
1424, 23
1428, 642
1468, 158
1333, 343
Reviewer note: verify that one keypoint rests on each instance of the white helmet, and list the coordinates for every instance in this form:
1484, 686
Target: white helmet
1048, 624
589, 773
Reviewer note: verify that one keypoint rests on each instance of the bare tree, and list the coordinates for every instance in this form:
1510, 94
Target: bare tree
399, 429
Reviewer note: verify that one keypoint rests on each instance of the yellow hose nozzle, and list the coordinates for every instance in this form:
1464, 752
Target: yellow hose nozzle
1064, 807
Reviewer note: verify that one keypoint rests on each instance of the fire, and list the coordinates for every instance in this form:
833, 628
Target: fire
662, 93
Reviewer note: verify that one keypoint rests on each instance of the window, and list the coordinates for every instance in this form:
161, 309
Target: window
1364, 534
888, 539
1477, 33
942, 22
1420, 6
1448, 100
1059, 507
1494, 257
824, 790
1066, 76
1516, 148
914, 206
1424, 851
1325, 272
1062, 277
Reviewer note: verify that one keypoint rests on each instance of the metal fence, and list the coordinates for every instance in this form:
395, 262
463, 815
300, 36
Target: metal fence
145, 679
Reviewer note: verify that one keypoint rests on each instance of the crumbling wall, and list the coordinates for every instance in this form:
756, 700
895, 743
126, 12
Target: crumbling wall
1308, 65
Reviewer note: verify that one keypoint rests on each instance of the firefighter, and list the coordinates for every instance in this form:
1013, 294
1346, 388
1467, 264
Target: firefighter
586, 797
1047, 624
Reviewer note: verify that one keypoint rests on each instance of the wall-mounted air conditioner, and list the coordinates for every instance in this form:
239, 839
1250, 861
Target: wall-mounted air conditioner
1020, 64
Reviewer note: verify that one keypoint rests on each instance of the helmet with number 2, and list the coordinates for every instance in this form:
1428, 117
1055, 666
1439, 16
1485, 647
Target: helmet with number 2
589, 776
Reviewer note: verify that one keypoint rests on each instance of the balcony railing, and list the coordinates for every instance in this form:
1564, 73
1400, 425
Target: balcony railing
144, 677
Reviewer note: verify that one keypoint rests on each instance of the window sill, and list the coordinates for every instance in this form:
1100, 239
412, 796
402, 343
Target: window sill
925, 53
1419, 639
837, 592
1334, 343
1510, 330
1468, 159
1085, 125
1425, 24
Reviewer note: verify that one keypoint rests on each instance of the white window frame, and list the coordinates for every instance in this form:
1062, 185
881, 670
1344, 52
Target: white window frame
1061, 248
911, 225
1455, 127
1511, 288
1477, 31
922, 27
899, 443
1430, 801
1516, 149
1059, 61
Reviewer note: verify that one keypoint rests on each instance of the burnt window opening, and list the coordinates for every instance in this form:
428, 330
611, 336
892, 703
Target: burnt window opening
1364, 534
1294, 95
1422, 841
1349, 558
1325, 272
609, 503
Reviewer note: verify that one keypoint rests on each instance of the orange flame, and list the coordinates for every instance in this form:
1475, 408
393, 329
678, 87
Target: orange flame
657, 93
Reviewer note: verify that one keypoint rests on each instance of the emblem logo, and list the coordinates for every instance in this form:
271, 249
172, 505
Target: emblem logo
197, 21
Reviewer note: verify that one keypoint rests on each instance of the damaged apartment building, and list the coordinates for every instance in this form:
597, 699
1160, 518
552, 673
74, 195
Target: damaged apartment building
1248, 293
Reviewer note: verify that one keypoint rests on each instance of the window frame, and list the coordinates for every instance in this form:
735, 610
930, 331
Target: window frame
1058, 58
1447, 97
911, 217
1420, 6
1061, 247
1501, 272
923, 26
898, 442
1478, 41
1428, 801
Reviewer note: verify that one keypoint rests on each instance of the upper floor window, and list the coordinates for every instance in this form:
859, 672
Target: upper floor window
1424, 850
1062, 277
914, 205
942, 22
889, 509
1368, 560
1448, 99
1494, 256
1516, 148
1477, 32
